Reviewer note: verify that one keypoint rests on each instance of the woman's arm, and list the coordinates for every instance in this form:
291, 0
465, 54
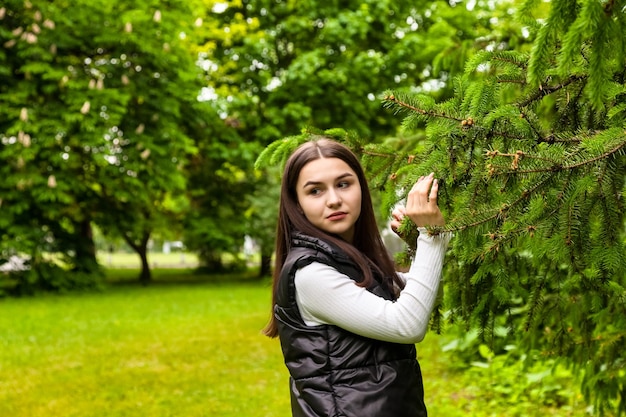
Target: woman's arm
326, 296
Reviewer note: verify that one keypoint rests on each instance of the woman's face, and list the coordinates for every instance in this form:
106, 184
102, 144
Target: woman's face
329, 195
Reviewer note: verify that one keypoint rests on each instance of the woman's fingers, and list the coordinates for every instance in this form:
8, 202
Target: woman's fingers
433, 192
396, 218
422, 202
420, 192
398, 213
417, 183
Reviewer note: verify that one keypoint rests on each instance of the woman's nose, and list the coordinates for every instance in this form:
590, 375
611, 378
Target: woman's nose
334, 199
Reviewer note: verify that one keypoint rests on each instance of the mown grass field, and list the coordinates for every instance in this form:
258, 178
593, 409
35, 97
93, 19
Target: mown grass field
181, 347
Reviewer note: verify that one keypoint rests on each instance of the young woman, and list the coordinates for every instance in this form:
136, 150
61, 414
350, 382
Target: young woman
347, 322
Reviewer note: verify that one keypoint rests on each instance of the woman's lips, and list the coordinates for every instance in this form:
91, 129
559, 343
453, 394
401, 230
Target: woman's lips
337, 216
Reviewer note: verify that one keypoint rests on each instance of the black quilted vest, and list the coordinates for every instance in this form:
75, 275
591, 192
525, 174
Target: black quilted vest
336, 373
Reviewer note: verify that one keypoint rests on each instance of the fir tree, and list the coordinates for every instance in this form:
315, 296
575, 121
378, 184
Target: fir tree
530, 156
531, 153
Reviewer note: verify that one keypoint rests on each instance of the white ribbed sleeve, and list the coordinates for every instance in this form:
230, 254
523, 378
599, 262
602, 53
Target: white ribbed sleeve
326, 296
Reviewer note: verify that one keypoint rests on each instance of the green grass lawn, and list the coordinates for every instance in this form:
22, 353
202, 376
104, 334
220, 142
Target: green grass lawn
177, 349
155, 259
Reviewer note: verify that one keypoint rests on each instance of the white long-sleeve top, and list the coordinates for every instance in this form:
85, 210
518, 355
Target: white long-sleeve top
326, 296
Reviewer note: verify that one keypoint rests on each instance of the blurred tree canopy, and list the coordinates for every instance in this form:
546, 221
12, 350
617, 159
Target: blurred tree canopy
99, 118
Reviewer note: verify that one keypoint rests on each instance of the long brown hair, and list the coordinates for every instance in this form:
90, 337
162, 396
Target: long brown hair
367, 250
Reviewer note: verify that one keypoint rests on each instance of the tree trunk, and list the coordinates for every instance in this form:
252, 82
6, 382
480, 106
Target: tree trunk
145, 277
266, 264
211, 261
85, 248
141, 247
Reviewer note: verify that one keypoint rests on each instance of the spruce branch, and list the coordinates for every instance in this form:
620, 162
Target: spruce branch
500, 213
378, 154
543, 91
554, 138
535, 301
517, 156
604, 155
511, 80
555, 167
393, 100
517, 60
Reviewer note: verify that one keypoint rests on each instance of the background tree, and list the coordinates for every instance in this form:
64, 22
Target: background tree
99, 100
261, 217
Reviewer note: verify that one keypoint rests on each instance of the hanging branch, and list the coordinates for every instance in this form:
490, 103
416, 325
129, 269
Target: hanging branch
555, 167
545, 91
391, 98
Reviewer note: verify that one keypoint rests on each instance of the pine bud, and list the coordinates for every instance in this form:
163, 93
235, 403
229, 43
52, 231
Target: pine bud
467, 122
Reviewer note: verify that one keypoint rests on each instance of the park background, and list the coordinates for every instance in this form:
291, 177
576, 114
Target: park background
132, 129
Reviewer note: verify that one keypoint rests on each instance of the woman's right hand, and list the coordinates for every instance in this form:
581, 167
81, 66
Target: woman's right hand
421, 204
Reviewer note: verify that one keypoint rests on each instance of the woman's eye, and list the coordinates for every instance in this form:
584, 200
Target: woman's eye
315, 191
343, 184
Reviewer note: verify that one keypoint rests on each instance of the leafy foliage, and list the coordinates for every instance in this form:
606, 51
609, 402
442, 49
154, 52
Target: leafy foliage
512, 379
98, 105
531, 157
